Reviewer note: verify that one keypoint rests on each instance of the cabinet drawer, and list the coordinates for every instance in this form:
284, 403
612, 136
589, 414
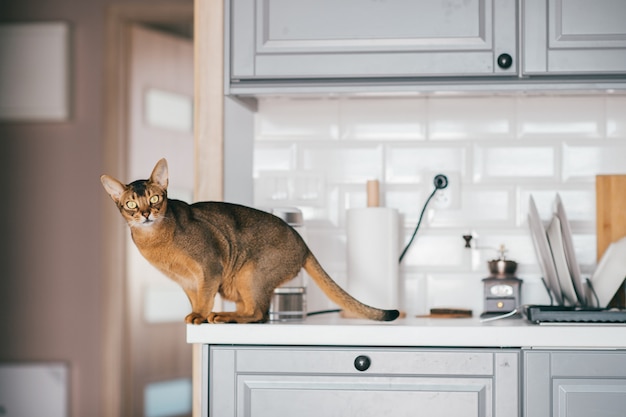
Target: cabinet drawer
381, 361
325, 381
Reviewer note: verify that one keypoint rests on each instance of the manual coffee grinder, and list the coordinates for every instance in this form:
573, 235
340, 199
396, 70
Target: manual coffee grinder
502, 289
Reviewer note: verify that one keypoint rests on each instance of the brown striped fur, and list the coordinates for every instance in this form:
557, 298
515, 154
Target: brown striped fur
213, 247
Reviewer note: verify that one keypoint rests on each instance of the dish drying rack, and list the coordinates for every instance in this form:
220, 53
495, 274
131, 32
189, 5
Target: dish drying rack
577, 301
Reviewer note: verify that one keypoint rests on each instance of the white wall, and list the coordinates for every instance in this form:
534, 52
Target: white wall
51, 215
317, 154
50, 230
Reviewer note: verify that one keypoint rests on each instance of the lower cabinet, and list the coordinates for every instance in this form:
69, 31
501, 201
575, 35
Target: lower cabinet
574, 383
319, 382
256, 381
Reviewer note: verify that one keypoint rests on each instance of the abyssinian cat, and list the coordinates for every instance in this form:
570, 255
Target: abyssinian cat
215, 247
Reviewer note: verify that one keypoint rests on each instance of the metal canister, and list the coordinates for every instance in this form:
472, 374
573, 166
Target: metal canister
289, 300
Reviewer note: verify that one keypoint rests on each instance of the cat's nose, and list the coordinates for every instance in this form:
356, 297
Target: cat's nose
146, 214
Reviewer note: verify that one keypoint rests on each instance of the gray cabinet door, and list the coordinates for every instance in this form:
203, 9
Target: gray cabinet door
574, 384
574, 37
320, 382
312, 39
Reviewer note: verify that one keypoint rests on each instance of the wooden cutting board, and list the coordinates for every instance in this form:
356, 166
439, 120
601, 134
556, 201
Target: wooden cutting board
610, 210
611, 220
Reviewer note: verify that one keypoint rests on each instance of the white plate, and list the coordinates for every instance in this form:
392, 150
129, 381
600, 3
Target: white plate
570, 254
610, 272
555, 239
546, 263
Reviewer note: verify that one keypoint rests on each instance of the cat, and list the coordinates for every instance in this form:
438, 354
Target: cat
215, 247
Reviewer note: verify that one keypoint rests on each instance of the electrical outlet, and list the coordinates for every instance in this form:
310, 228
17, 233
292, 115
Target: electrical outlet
448, 198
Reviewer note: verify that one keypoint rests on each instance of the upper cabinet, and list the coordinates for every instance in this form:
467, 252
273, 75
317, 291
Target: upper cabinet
369, 43
579, 37
371, 39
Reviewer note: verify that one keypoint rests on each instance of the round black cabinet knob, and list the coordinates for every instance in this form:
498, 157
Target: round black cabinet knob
505, 61
362, 363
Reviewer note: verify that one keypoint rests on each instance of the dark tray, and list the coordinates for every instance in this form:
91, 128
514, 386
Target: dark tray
561, 314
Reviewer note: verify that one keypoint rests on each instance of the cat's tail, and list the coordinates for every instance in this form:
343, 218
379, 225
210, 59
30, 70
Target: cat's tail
342, 298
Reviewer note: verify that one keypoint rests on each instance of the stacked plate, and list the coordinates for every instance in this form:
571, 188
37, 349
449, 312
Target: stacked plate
561, 271
557, 258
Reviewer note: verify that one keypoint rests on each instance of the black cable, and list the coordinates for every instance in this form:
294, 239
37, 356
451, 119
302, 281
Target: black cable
440, 182
406, 248
315, 313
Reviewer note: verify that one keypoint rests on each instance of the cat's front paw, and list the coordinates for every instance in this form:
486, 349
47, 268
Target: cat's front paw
194, 318
234, 317
219, 318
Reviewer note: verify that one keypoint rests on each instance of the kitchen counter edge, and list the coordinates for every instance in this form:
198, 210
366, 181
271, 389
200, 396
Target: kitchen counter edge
412, 332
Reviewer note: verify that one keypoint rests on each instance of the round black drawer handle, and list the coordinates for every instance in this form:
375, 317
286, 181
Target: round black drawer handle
362, 363
505, 61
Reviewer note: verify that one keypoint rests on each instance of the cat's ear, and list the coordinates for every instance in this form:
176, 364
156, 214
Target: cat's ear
113, 187
159, 174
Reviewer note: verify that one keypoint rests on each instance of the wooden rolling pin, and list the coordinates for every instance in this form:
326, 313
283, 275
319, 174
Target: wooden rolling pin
373, 193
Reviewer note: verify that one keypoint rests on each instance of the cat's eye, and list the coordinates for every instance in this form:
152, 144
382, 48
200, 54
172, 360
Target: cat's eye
131, 205
154, 199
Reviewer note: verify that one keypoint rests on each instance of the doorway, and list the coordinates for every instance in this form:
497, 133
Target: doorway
147, 364
160, 125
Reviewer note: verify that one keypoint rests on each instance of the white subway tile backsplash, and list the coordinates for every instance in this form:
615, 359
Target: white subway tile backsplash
418, 164
408, 200
273, 157
585, 161
383, 118
415, 290
435, 251
318, 153
518, 244
295, 119
531, 162
324, 215
350, 164
455, 290
273, 189
562, 117
353, 197
471, 118
290, 188
309, 188
615, 120
479, 207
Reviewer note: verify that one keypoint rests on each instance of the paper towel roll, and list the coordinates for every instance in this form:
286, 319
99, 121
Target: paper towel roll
372, 256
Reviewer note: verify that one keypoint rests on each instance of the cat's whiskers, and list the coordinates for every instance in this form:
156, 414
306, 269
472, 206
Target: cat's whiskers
143, 221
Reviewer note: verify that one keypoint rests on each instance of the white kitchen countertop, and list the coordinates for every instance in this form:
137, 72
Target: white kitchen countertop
332, 330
